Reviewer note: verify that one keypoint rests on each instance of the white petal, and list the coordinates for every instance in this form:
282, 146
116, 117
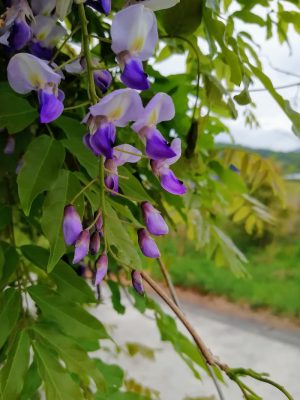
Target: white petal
157, 4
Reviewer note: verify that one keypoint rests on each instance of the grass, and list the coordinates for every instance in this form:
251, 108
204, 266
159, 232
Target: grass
274, 282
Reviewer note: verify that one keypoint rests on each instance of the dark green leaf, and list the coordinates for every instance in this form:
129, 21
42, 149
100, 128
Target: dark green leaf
72, 319
116, 297
58, 383
42, 162
14, 371
113, 375
32, 382
15, 112
132, 187
62, 192
10, 307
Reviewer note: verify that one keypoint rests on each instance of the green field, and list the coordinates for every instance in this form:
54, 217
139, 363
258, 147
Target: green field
274, 282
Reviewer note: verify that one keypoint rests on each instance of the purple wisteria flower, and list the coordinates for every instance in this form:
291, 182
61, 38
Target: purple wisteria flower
95, 243
46, 34
134, 37
99, 224
9, 148
102, 79
147, 244
26, 73
122, 154
160, 108
101, 268
161, 169
155, 223
154, 4
81, 246
137, 282
103, 6
43, 7
115, 110
15, 32
72, 226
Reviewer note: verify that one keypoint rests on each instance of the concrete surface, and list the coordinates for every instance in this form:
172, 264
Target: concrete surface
238, 342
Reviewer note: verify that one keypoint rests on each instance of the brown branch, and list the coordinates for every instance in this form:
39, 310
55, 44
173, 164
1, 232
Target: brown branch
169, 282
207, 354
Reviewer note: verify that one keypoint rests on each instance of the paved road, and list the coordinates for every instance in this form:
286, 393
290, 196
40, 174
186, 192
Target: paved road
238, 342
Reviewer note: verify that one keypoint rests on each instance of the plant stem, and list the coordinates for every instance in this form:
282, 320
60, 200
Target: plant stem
83, 190
63, 44
102, 198
121, 195
86, 49
168, 281
69, 61
101, 39
86, 103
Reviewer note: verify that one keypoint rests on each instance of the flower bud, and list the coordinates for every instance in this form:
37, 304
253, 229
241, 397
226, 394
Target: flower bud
81, 246
102, 79
137, 282
101, 268
95, 243
72, 226
155, 223
10, 146
147, 244
99, 223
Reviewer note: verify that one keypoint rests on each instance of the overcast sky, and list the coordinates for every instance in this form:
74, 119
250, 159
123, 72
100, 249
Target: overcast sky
275, 128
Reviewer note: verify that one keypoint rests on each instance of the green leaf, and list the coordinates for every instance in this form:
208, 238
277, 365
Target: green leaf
5, 216
116, 297
113, 375
76, 359
10, 307
184, 18
10, 265
132, 187
70, 285
118, 237
75, 131
14, 371
58, 383
15, 112
61, 193
42, 162
72, 319
32, 382
249, 17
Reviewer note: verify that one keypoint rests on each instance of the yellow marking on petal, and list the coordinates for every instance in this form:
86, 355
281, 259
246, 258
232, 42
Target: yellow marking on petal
116, 113
152, 119
137, 44
35, 80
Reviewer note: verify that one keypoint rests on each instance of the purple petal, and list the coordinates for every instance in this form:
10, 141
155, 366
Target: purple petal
20, 35
103, 6
120, 106
10, 146
147, 244
112, 182
81, 246
157, 148
72, 226
101, 268
26, 72
99, 223
137, 282
102, 79
133, 75
103, 139
134, 29
160, 108
50, 107
95, 243
176, 147
171, 183
155, 223
38, 50
120, 156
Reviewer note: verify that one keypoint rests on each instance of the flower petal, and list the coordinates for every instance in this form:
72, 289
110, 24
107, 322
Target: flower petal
171, 183
147, 244
72, 226
101, 269
51, 107
157, 148
26, 72
134, 29
157, 4
102, 79
20, 34
81, 246
133, 75
155, 223
119, 106
103, 139
121, 157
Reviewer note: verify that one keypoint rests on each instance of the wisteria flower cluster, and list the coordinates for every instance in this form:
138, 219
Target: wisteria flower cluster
134, 36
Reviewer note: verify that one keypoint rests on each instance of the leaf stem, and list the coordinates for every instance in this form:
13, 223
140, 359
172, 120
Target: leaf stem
69, 61
63, 44
86, 103
101, 39
83, 190
121, 195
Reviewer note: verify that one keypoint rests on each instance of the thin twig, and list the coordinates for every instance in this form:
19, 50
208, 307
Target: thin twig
63, 44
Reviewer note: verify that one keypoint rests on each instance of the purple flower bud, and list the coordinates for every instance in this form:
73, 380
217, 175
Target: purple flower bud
99, 223
137, 282
155, 223
81, 246
10, 146
72, 226
103, 6
147, 244
95, 243
101, 268
20, 34
102, 79
40, 51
